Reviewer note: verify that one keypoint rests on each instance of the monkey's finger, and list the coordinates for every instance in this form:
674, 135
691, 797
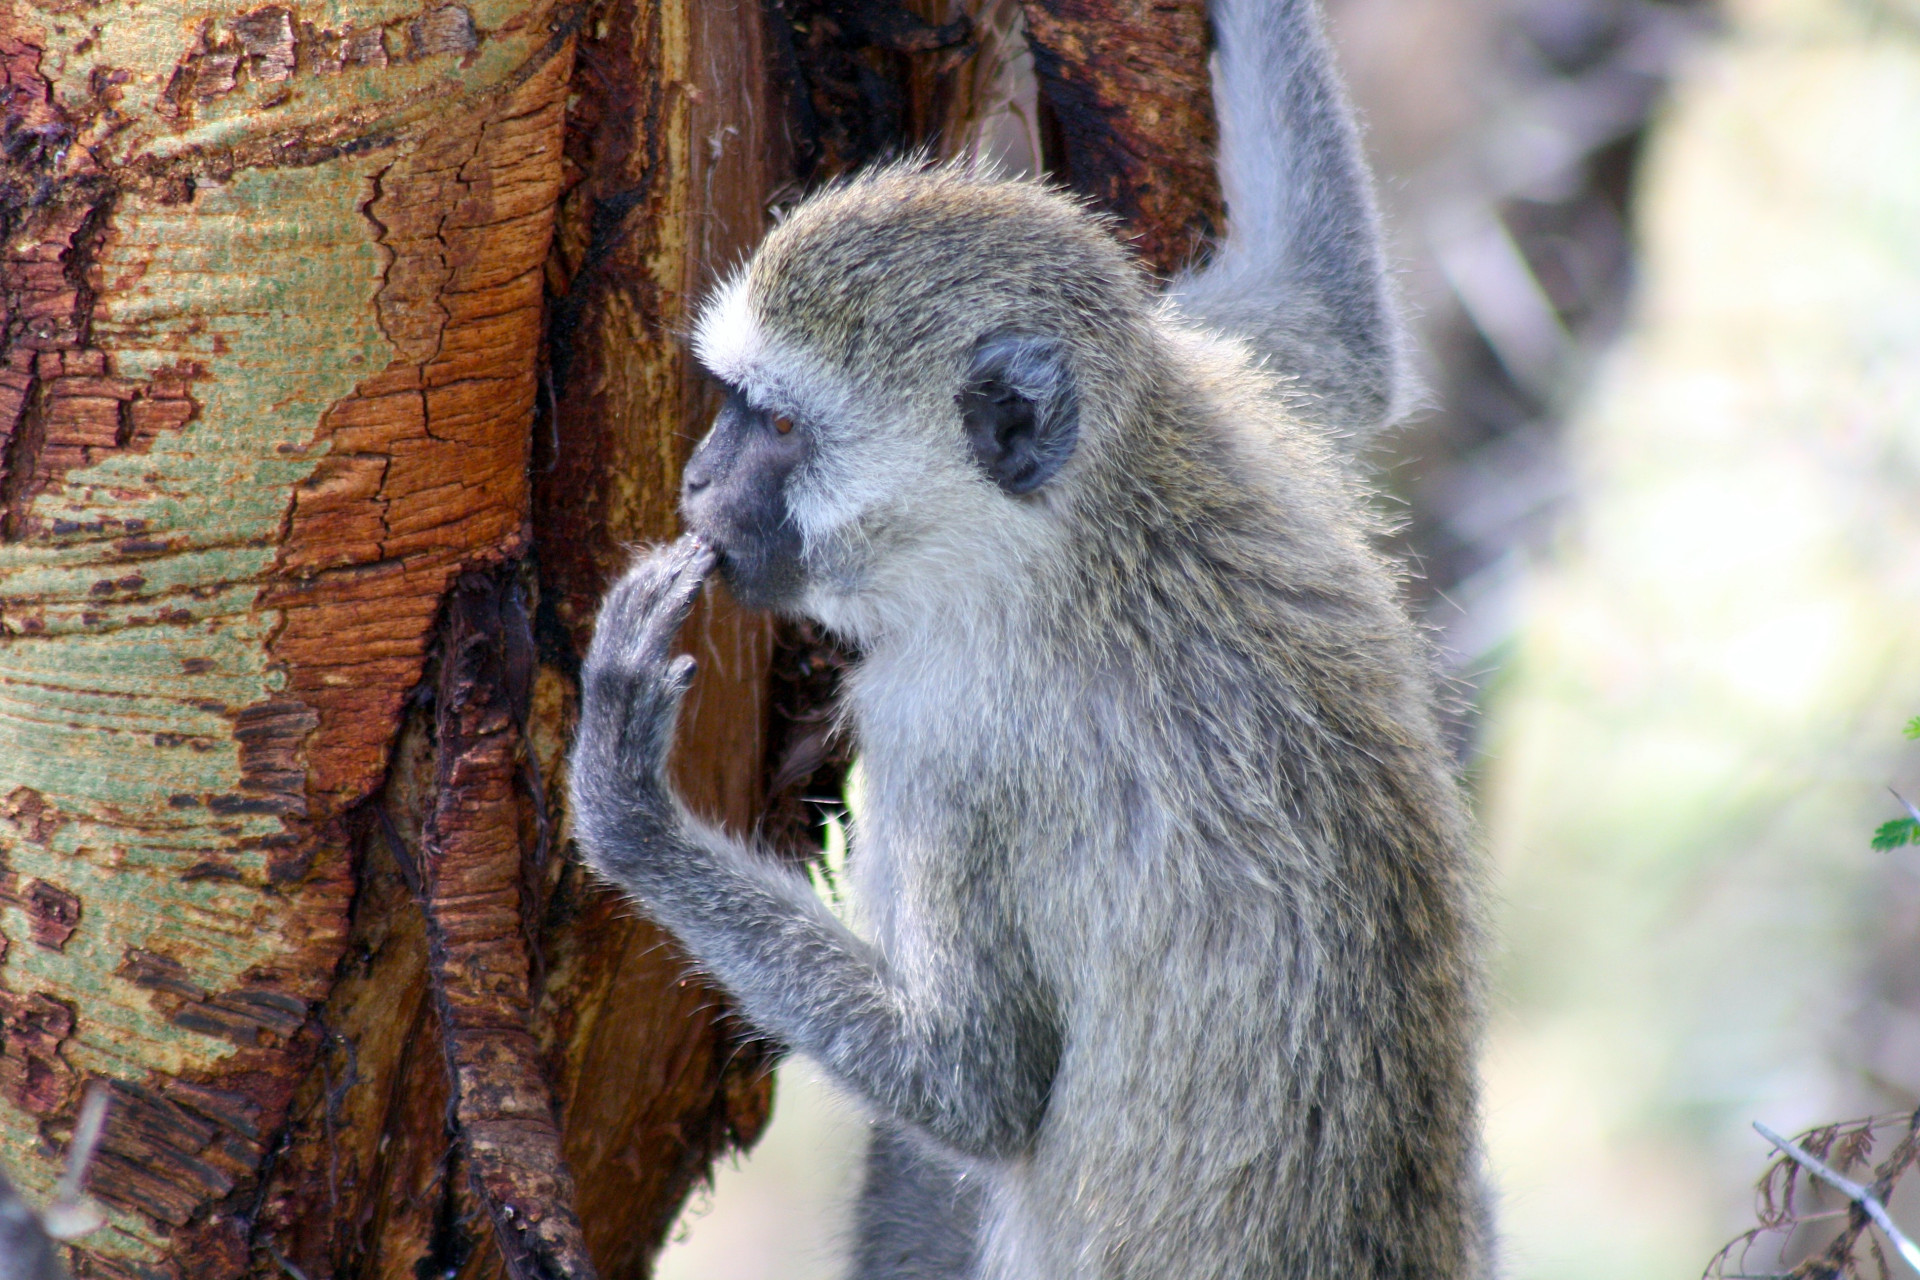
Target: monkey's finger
665, 586
642, 613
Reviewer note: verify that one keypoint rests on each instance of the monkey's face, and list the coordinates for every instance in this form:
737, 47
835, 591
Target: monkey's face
856, 491
922, 371
735, 495
814, 490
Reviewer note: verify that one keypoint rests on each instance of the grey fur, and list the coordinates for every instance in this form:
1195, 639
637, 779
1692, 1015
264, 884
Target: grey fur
918, 1217
1168, 954
27, 1252
1301, 274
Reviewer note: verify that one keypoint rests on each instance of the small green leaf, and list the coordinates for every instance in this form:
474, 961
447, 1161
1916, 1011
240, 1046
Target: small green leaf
1891, 835
1913, 727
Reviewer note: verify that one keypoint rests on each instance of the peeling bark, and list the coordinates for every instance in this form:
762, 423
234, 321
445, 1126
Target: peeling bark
203, 674
340, 362
425, 463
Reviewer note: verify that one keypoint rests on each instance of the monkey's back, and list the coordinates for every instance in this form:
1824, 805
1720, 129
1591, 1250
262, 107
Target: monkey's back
1206, 805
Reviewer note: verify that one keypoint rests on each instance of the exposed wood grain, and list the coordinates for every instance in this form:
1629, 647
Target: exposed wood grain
673, 156
424, 466
367, 1184
863, 81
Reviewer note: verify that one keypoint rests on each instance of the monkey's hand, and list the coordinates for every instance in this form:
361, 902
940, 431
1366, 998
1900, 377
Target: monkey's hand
972, 1066
631, 689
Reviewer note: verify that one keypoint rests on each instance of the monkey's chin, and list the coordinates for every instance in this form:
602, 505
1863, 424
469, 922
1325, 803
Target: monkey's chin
775, 584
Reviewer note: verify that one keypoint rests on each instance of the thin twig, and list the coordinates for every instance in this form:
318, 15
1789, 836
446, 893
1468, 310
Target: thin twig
286, 1263
1909, 1252
1912, 811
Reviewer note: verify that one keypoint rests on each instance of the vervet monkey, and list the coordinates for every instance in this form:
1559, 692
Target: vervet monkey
1167, 958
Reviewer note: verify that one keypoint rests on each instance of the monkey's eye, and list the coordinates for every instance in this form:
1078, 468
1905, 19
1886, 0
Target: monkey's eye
782, 423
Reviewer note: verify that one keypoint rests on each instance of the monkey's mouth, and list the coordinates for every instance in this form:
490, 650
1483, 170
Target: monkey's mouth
756, 545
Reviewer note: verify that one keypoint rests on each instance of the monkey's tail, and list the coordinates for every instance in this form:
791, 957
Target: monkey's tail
1301, 272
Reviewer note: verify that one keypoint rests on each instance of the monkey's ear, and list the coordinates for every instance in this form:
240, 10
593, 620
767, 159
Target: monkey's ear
1020, 408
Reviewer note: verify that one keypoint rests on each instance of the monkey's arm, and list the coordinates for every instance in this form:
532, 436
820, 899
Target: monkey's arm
960, 1052
1301, 273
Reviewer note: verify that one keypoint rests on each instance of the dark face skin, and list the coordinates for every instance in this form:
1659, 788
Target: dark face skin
1017, 407
734, 496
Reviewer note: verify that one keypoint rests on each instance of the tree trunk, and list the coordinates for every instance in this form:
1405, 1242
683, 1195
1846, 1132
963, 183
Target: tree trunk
340, 359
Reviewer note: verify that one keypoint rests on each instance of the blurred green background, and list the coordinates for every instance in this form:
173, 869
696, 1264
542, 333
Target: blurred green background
1663, 514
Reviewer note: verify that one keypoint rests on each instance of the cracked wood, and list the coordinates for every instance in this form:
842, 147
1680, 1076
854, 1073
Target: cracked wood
471, 890
273, 298
202, 300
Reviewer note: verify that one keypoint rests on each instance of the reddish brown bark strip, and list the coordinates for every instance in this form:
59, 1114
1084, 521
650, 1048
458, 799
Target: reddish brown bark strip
651, 1083
427, 469
471, 890
616, 277
1127, 84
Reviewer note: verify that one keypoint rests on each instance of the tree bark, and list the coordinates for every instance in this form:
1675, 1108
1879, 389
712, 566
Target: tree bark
1129, 117
340, 360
